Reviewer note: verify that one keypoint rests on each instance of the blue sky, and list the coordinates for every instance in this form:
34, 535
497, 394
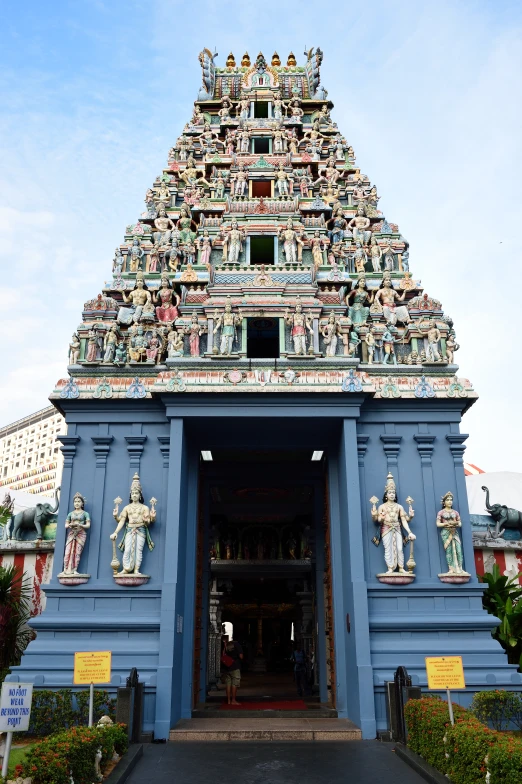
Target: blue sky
95, 93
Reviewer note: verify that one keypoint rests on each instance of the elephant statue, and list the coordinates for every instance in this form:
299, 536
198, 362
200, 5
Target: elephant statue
504, 517
33, 518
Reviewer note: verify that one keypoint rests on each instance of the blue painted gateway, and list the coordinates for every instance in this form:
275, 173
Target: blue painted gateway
263, 416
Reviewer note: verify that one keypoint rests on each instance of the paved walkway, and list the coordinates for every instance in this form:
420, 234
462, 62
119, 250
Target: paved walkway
359, 762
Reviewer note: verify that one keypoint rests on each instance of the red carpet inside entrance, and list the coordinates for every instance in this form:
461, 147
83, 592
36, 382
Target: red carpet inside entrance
282, 705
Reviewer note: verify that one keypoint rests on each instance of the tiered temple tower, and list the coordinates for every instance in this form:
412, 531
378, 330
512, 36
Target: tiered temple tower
262, 300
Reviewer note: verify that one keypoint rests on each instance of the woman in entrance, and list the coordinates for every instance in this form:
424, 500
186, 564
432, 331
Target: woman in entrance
231, 668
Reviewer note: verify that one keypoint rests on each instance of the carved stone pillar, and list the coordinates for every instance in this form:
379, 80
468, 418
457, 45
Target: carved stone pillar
214, 637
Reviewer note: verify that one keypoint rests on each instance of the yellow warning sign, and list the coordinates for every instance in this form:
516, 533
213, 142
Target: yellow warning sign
445, 672
92, 667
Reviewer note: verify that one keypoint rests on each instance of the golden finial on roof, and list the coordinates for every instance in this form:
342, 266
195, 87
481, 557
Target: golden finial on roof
291, 59
245, 62
275, 59
231, 63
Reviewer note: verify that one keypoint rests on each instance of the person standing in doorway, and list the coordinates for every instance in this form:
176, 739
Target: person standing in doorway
231, 669
299, 659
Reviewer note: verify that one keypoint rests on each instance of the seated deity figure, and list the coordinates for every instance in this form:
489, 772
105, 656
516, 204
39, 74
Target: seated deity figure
190, 175
330, 331
164, 225
174, 343
357, 311
299, 323
448, 521
138, 345
390, 516
134, 256
292, 243
386, 297
227, 322
331, 173
167, 310
360, 226
138, 298
163, 192
77, 524
233, 243
136, 517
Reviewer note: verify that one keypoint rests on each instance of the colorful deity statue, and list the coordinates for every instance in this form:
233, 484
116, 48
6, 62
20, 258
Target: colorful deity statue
449, 522
358, 311
292, 243
227, 322
74, 349
282, 181
317, 245
175, 346
387, 297
205, 247
391, 517
137, 298
233, 243
77, 524
167, 310
134, 256
339, 226
434, 335
164, 226
330, 331
138, 345
360, 226
194, 330
184, 225
136, 517
110, 341
375, 254
299, 323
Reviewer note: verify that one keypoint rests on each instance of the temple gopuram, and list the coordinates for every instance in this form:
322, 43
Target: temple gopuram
263, 430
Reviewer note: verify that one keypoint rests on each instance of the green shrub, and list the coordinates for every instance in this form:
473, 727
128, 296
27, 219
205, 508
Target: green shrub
461, 751
427, 720
71, 754
54, 711
505, 761
496, 707
467, 744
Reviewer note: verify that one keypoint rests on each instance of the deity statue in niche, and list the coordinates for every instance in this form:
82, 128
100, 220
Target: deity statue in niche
388, 255
205, 246
136, 517
330, 331
386, 297
317, 246
175, 346
110, 341
292, 243
360, 226
375, 255
134, 256
138, 344
195, 330
448, 521
360, 258
392, 518
243, 109
239, 181
74, 349
227, 322
358, 312
299, 323
92, 346
168, 309
184, 225
233, 243
163, 192
153, 347
77, 524
278, 107
138, 297
369, 339
226, 106
164, 225
434, 336
339, 226
282, 181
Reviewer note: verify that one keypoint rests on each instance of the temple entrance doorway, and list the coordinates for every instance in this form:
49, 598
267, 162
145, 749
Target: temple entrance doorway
263, 577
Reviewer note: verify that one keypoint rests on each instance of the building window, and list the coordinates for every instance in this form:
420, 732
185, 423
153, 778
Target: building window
261, 109
261, 250
261, 144
261, 188
263, 338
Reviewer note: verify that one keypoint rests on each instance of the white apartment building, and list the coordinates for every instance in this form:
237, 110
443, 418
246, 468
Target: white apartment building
30, 456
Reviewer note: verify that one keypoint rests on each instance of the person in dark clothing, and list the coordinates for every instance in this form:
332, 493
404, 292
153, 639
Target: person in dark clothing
299, 659
231, 670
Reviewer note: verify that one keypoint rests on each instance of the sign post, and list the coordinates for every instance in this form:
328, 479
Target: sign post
92, 667
445, 673
15, 714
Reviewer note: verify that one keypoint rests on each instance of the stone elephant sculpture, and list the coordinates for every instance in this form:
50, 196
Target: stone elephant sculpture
34, 518
504, 517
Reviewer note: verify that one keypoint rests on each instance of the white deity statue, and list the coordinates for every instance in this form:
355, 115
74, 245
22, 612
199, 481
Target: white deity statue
391, 517
136, 517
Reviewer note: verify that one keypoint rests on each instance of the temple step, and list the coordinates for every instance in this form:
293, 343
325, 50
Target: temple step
266, 729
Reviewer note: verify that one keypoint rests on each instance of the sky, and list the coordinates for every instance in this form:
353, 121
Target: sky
95, 92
